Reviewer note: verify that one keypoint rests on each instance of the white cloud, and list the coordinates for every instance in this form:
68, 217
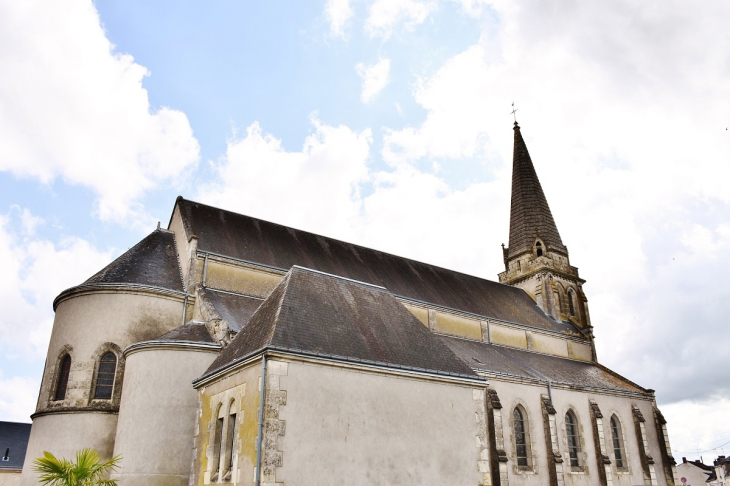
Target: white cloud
374, 78
72, 108
385, 15
35, 272
706, 434
318, 183
17, 398
338, 13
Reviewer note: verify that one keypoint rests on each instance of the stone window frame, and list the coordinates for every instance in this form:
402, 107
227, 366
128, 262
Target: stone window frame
215, 442
625, 470
582, 467
228, 434
571, 295
559, 289
220, 406
116, 398
531, 467
54, 375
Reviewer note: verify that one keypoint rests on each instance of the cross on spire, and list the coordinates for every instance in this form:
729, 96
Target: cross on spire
514, 112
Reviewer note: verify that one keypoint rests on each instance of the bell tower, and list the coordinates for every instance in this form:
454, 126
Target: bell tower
536, 259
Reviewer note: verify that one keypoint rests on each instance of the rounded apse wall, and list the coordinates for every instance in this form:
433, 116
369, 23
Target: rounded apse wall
157, 415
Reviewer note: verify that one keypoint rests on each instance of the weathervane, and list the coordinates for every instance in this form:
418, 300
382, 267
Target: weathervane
514, 112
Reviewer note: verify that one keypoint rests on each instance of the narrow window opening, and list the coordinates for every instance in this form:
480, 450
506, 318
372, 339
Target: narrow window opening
520, 437
615, 433
539, 248
105, 376
63, 373
571, 430
232, 439
571, 305
218, 443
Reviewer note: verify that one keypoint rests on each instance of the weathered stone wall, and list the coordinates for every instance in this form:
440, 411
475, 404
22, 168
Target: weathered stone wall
529, 398
157, 416
344, 426
239, 389
86, 326
9, 478
64, 434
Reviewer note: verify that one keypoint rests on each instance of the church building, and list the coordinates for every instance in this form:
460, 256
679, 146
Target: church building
230, 350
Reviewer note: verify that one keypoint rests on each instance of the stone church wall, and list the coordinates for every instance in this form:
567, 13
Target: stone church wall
239, 393
86, 326
157, 415
361, 428
529, 398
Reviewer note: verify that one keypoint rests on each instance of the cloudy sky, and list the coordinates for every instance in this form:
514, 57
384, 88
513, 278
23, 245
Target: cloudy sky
386, 123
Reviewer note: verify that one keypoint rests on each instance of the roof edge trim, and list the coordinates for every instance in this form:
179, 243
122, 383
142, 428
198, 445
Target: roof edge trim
72, 291
181, 345
328, 358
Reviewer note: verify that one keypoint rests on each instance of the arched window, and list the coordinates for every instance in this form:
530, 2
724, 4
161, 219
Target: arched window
518, 421
571, 304
105, 376
616, 437
64, 371
538, 246
571, 431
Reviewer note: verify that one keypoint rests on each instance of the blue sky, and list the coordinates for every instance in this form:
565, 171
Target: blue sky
386, 123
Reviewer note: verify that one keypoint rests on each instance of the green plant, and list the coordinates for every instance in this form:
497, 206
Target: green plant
87, 470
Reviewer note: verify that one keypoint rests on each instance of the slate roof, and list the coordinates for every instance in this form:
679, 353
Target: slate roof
520, 363
254, 240
236, 309
318, 314
13, 440
194, 332
153, 261
530, 214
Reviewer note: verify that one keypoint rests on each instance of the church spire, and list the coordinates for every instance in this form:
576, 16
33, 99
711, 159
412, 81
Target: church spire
536, 259
530, 218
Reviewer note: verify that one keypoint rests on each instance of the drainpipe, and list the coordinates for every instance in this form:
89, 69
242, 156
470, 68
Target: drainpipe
261, 421
550, 391
205, 269
185, 308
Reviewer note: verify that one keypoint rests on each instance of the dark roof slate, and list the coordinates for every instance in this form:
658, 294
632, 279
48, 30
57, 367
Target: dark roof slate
13, 436
153, 261
530, 215
316, 313
236, 309
195, 332
520, 363
270, 244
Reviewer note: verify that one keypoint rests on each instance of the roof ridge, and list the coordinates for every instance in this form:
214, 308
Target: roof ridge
340, 277
357, 245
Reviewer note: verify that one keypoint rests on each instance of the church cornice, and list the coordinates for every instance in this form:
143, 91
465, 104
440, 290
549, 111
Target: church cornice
126, 288
172, 345
90, 409
504, 279
342, 362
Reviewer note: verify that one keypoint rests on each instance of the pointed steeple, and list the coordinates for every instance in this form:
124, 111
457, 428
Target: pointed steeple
530, 216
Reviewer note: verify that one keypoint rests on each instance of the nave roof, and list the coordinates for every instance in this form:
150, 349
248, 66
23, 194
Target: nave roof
273, 245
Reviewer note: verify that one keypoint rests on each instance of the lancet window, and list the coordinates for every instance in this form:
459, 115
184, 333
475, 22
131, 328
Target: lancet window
63, 373
105, 376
